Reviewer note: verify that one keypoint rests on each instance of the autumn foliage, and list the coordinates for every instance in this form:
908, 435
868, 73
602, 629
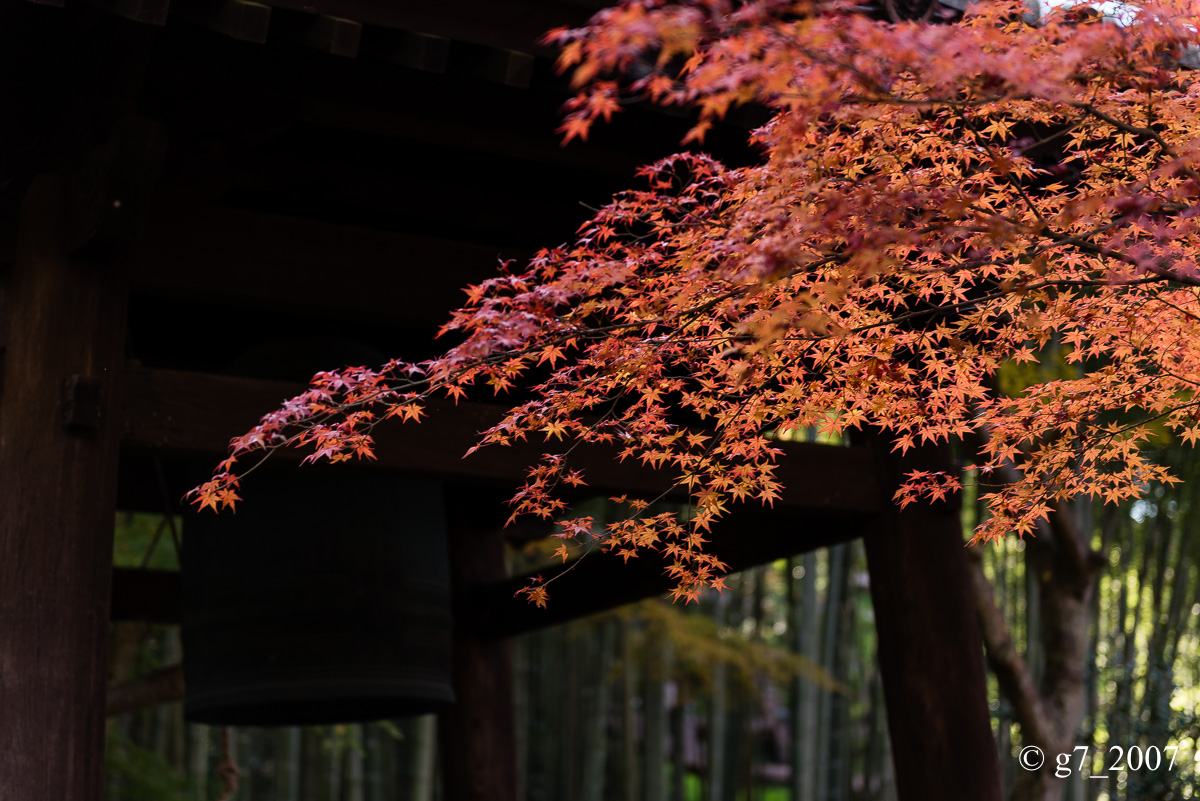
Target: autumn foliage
934, 201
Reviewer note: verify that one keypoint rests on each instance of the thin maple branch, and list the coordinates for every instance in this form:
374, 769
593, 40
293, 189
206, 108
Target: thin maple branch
1137, 130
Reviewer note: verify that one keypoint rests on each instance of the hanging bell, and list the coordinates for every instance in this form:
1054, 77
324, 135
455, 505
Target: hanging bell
324, 599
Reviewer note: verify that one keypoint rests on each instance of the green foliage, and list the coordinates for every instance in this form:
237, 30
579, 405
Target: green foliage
700, 644
142, 774
1052, 364
1143, 674
145, 540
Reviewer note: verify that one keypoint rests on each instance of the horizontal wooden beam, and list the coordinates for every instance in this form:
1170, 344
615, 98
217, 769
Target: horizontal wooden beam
177, 413
503, 142
510, 24
418, 51
164, 686
747, 537
243, 20
267, 261
334, 35
508, 67
149, 12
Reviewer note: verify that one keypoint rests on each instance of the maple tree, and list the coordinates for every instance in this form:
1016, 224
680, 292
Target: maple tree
934, 200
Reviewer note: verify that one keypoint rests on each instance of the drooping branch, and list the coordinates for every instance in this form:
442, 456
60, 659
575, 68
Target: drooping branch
896, 246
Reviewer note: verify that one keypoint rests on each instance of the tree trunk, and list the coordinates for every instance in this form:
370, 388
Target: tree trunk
569, 708
356, 779
717, 712
678, 721
629, 756
1065, 569
198, 760
835, 584
839, 729
806, 633
595, 743
288, 747
311, 746
655, 746
424, 758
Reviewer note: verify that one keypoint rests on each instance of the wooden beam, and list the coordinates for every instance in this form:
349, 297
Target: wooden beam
510, 24
746, 538
334, 35
419, 51
179, 413
411, 107
58, 498
149, 12
411, 126
509, 67
930, 648
243, 20
110, 191
257, 261
162, 686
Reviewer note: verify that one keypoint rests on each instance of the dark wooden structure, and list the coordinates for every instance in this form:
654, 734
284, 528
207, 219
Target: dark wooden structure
182, 179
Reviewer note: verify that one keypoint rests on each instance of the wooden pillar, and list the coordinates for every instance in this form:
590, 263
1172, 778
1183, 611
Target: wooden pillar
478, 735
60, 399
930, 648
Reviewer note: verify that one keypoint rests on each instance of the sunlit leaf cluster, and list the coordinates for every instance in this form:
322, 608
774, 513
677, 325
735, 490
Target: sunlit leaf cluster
932, 202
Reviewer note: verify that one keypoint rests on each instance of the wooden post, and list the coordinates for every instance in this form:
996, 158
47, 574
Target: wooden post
59, 433
930, 648
478, 735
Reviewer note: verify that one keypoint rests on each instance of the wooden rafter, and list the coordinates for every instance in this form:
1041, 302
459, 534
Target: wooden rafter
251, 259
334, 35
243, 20
149, 12
507, 24
177, 413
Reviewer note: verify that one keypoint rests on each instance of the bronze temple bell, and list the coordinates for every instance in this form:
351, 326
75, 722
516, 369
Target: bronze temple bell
324, 599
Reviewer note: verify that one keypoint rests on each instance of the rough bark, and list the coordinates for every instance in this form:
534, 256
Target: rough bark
1049, 712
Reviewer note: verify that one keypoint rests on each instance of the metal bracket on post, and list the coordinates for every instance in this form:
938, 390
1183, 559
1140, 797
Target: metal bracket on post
82, 401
